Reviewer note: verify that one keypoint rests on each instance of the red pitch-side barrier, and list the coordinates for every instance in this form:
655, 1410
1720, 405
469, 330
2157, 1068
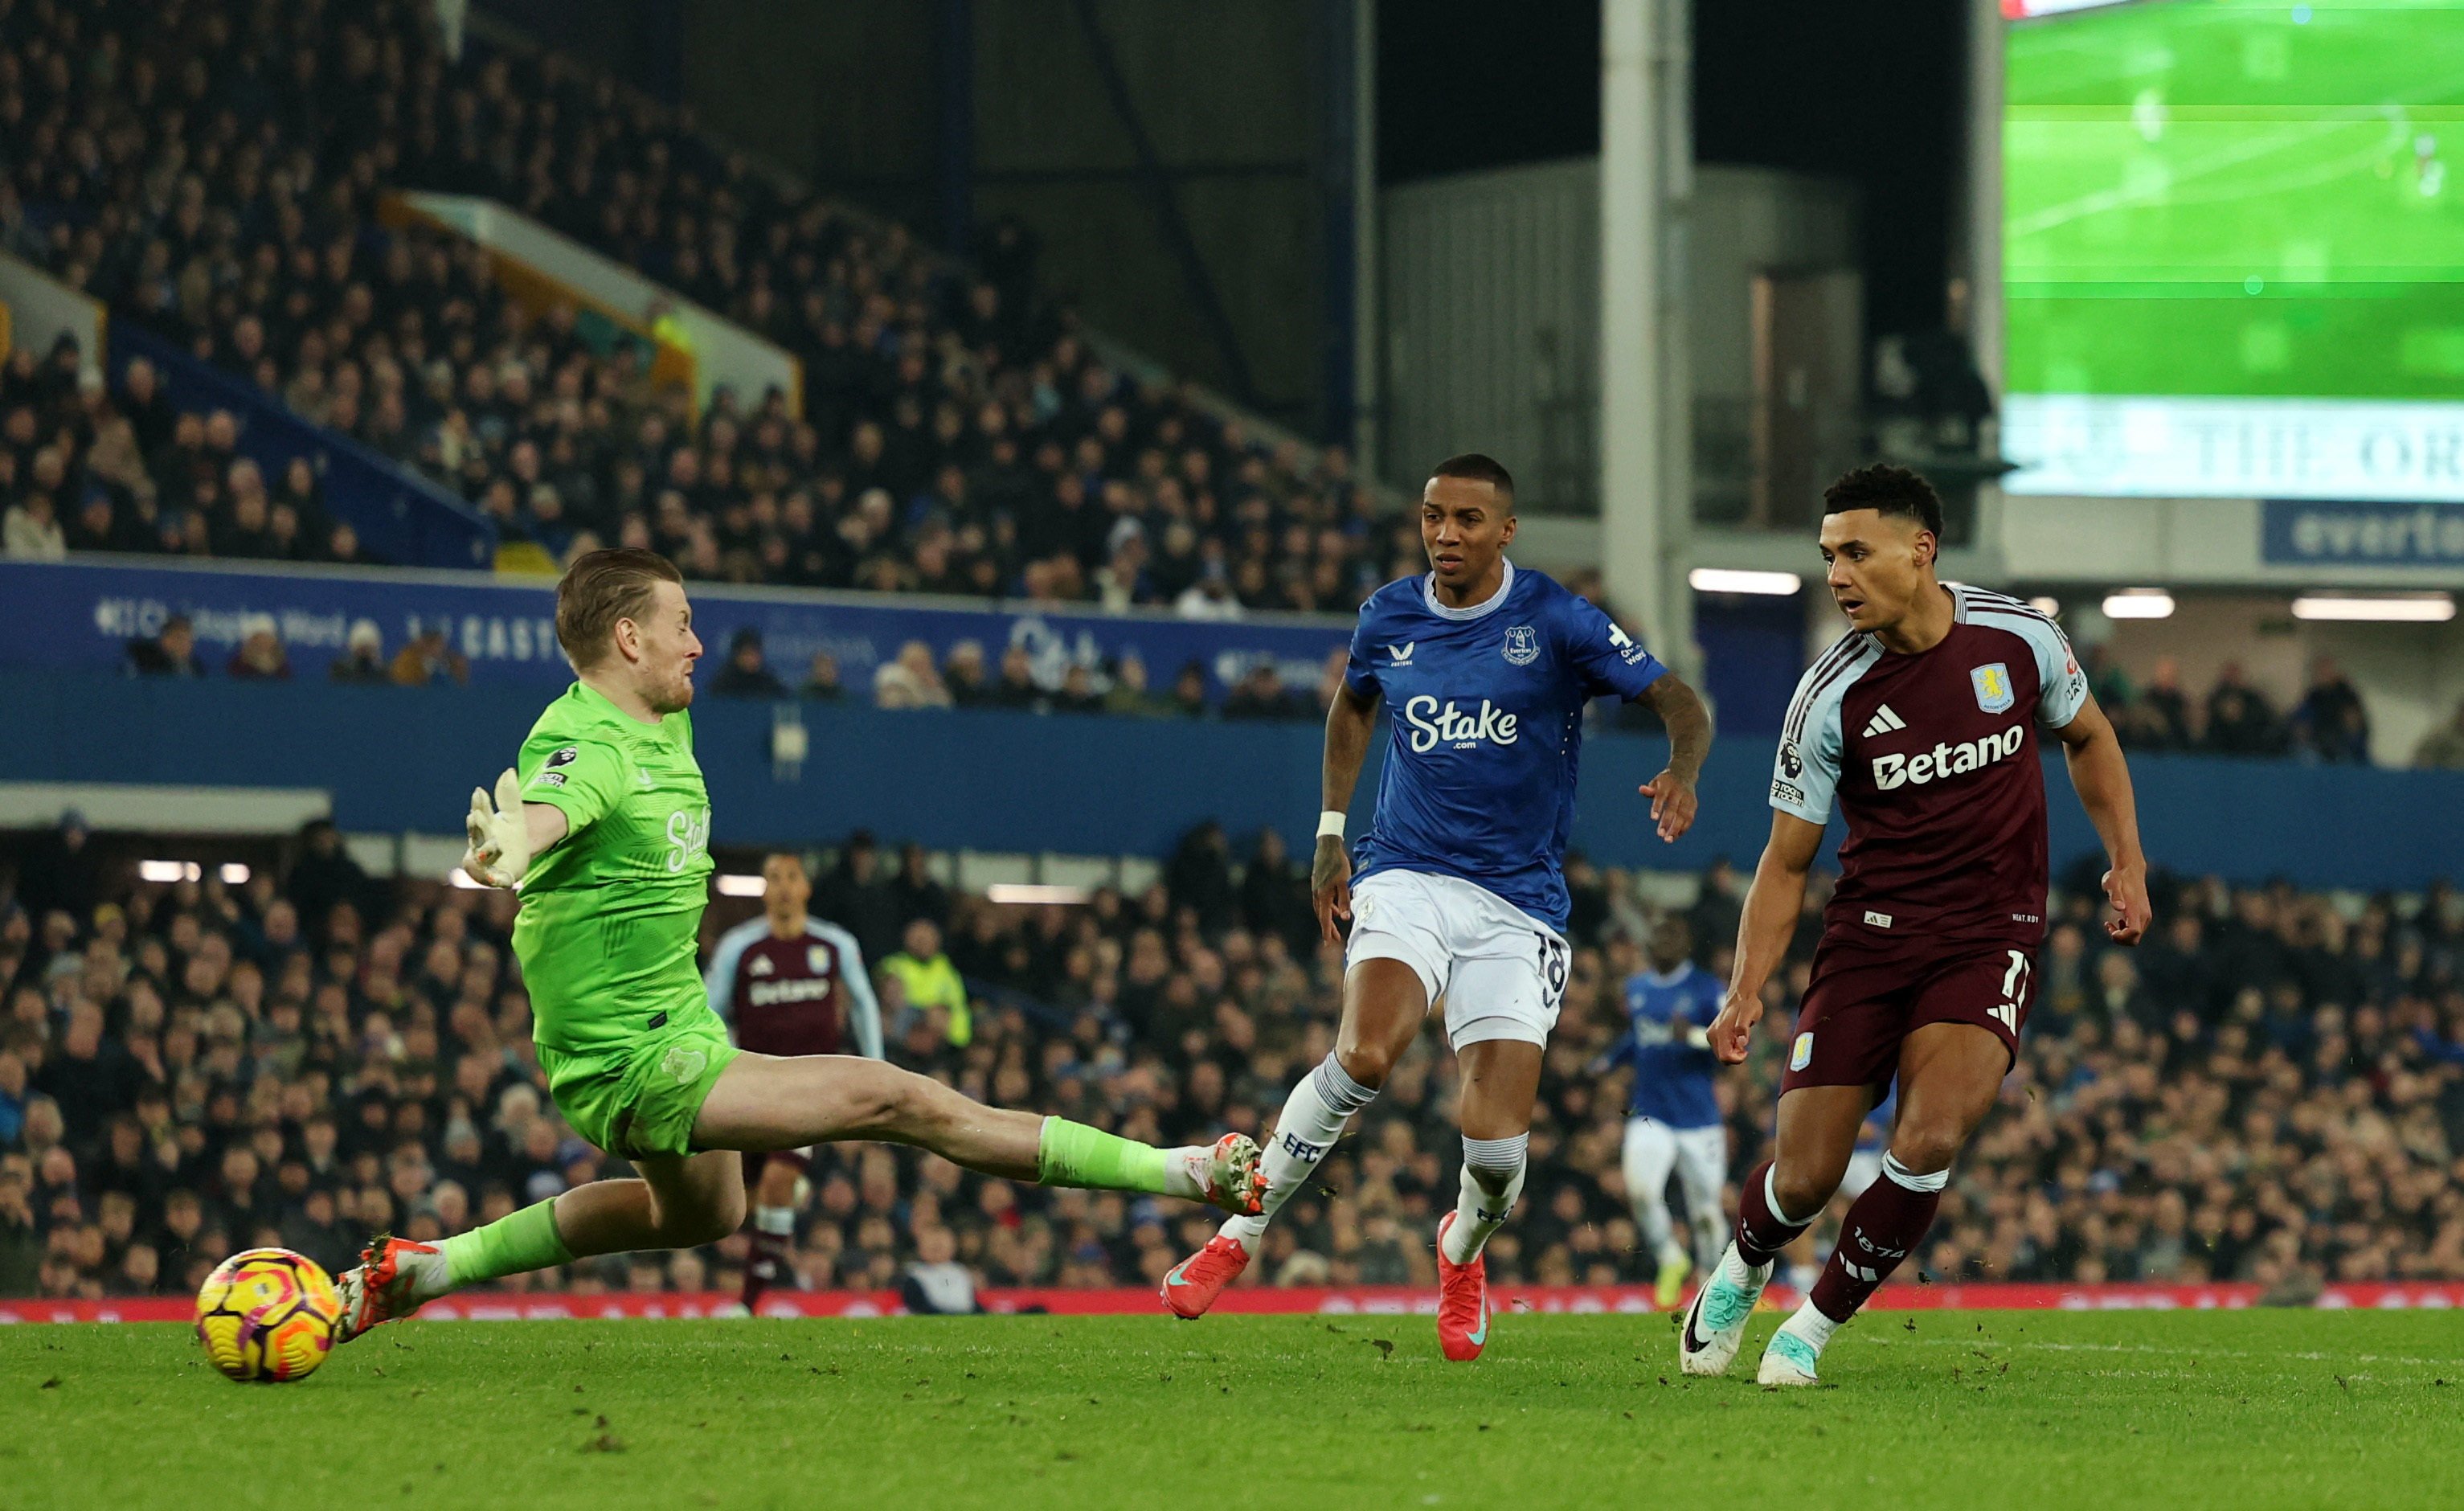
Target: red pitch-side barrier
1356, 1300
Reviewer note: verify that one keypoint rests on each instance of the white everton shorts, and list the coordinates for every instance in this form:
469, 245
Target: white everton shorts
1700, 1156
1501, 972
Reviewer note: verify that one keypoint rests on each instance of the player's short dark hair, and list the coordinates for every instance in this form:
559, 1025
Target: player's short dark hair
600, 588
1886, 489
1478, 467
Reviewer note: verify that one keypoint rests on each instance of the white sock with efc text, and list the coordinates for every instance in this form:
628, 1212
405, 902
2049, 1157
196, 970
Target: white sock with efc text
1312, 1120
1492, 1179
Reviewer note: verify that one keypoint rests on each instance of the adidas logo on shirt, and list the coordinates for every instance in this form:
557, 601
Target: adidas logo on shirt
1883, 722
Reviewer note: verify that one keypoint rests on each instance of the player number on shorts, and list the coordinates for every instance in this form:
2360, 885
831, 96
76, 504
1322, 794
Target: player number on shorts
1554, 956
2014, 991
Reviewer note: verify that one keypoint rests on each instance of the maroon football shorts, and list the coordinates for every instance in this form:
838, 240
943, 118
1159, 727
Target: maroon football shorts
1871, 989
755, 1164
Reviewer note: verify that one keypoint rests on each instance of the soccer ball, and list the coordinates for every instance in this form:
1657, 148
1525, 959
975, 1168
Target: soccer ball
268, 1316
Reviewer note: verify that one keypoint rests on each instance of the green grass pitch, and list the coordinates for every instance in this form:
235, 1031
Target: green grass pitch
2212, 197
2108, 1409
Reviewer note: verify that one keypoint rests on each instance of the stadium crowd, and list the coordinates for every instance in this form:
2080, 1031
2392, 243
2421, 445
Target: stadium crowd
2328, 722
2271, 1089
222, 182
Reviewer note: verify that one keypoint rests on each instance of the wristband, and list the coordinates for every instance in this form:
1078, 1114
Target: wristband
1330, 824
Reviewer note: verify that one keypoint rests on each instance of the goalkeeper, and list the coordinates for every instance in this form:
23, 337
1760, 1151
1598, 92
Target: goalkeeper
604, 825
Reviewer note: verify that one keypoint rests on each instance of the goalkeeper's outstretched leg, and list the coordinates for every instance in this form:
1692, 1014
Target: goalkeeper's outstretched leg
758, 1103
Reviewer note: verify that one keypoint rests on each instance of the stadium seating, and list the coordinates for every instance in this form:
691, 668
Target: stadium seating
224, 189
2271, 1090
957, 434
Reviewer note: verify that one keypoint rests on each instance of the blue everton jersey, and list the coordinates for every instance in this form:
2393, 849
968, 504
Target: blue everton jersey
1672, 1079
1485, 707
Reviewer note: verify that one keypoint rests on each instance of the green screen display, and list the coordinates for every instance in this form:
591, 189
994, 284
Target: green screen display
2233, 248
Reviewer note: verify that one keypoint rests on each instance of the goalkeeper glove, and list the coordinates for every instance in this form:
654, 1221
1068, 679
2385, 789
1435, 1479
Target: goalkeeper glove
500, 837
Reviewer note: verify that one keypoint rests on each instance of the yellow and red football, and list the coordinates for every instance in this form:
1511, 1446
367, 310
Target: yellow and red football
267, 1316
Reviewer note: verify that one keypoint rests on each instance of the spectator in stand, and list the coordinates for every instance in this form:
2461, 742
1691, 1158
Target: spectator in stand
929, 986
911, 681
963, 673
2107, 681
747, 673
1077, 693
916, 893
99, 524
822, 679
956, 433
362, 659
1210, 597
427, 658
62, 874
325, 877
2330, 724
1129, 694
244, 527
858, 898
171, 652
1199, 874
1189, 693
13, 1097
203, 1085
935, 1283
2240, 720
31, 529
1018, 690
260, 656
2160, 716
1275, 893
301, 499
21, 1232
1262, 695
1719, 907
342, 546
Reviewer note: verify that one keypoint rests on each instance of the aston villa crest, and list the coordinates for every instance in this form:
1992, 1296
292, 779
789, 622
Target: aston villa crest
1994, 693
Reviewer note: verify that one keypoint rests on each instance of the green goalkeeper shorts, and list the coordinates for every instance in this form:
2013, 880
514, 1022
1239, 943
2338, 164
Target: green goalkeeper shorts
642, 1098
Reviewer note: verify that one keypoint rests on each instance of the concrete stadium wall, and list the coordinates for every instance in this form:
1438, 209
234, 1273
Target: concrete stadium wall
1492, 301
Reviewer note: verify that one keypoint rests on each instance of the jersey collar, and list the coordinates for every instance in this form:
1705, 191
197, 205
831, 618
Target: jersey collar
1480, 610
607, 712
1684, 968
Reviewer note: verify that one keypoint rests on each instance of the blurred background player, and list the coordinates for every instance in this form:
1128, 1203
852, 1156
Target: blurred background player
1484, 670
1921, 723
789, 984
1672, 1113
603, 824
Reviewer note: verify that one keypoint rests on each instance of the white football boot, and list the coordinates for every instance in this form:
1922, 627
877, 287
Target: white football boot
1715, 1324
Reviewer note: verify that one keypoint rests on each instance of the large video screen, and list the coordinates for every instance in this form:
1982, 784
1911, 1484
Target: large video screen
2233, 248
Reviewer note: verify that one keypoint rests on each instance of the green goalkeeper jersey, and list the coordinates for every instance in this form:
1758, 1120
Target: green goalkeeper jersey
611, 914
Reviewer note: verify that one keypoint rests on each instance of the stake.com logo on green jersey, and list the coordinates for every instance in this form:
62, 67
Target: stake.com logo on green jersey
688, 836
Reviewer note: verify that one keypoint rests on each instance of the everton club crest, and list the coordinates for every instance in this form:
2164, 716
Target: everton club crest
1522, 645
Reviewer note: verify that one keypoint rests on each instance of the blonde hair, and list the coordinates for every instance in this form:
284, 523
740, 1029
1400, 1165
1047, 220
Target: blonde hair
600, 588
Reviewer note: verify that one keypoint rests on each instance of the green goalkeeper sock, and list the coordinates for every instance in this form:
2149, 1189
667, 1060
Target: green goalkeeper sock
1074, 1155
525, 1241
